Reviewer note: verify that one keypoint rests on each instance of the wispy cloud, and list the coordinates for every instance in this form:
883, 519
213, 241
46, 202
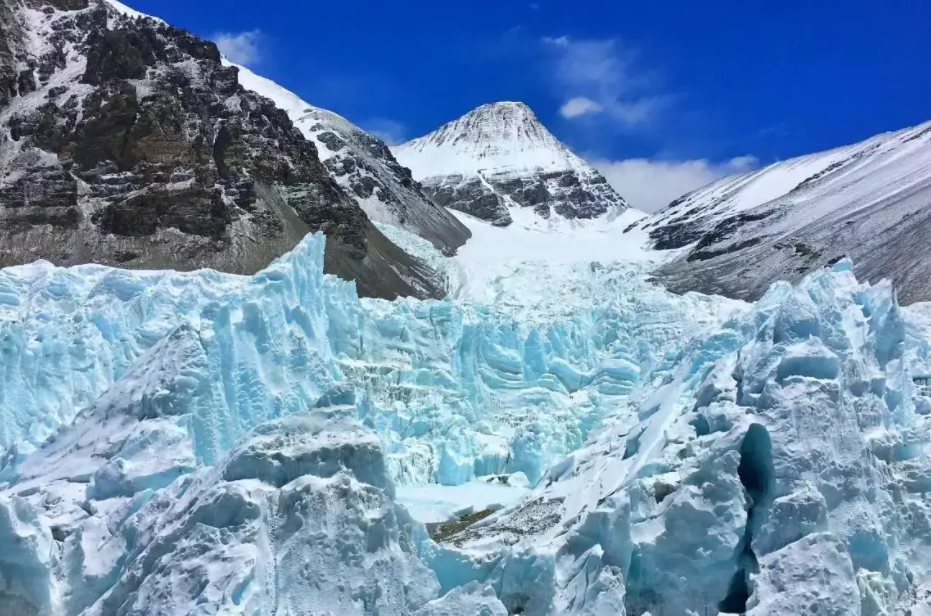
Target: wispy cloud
602, 77
579, 106
606, 87
240, 47
650, 185
389, 131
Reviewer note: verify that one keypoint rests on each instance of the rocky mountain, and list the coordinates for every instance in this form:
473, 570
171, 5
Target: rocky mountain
498, 161
366, 169
126, 141
868, 201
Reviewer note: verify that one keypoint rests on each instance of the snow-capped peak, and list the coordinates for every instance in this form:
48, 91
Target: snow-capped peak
497, 137
500, 164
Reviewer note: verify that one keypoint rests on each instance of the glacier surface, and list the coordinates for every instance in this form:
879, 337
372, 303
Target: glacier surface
456, 389
203, 443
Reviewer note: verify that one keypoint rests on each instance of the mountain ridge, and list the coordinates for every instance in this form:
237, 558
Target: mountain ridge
126, 141
364, 166
498, 160
865, 201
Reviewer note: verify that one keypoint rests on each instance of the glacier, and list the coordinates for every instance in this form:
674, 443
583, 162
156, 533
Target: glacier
202, 443
453, 387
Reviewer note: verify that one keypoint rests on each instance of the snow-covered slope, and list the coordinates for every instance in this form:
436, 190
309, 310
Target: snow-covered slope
363, 165
498, 159
866, 201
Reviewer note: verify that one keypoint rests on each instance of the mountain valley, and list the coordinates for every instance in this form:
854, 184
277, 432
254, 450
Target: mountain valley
257, 362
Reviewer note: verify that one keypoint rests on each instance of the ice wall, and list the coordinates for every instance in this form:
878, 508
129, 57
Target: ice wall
779, 466
69, 334
455, 389
773, 463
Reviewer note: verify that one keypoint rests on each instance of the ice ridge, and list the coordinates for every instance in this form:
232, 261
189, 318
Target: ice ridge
241, 441
456, 390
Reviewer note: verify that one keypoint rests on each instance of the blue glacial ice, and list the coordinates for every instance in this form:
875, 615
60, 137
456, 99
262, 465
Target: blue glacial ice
780, 465
455, 390
212, 444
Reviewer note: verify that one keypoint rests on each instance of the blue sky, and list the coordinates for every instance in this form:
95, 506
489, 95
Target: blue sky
662, 96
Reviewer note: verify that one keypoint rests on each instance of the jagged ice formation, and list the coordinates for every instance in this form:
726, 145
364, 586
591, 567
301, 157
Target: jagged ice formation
693, 455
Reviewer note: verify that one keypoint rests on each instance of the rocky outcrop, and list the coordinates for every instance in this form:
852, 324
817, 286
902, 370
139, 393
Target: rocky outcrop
568, 194
470, 195
867, 201
127, 142
365, 166
498, 159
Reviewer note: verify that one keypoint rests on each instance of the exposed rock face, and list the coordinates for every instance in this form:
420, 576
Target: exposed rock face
11, 44
867, 201
471, 195
364, 165
499, 158
365, 168
569, 194
127, 142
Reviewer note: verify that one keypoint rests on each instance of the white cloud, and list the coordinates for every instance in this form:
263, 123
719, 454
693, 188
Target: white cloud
240, 47
606, 85
389, 131
601, 76
650, 185
578, 106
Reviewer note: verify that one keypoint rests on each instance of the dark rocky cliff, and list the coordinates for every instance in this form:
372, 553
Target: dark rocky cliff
126, 142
